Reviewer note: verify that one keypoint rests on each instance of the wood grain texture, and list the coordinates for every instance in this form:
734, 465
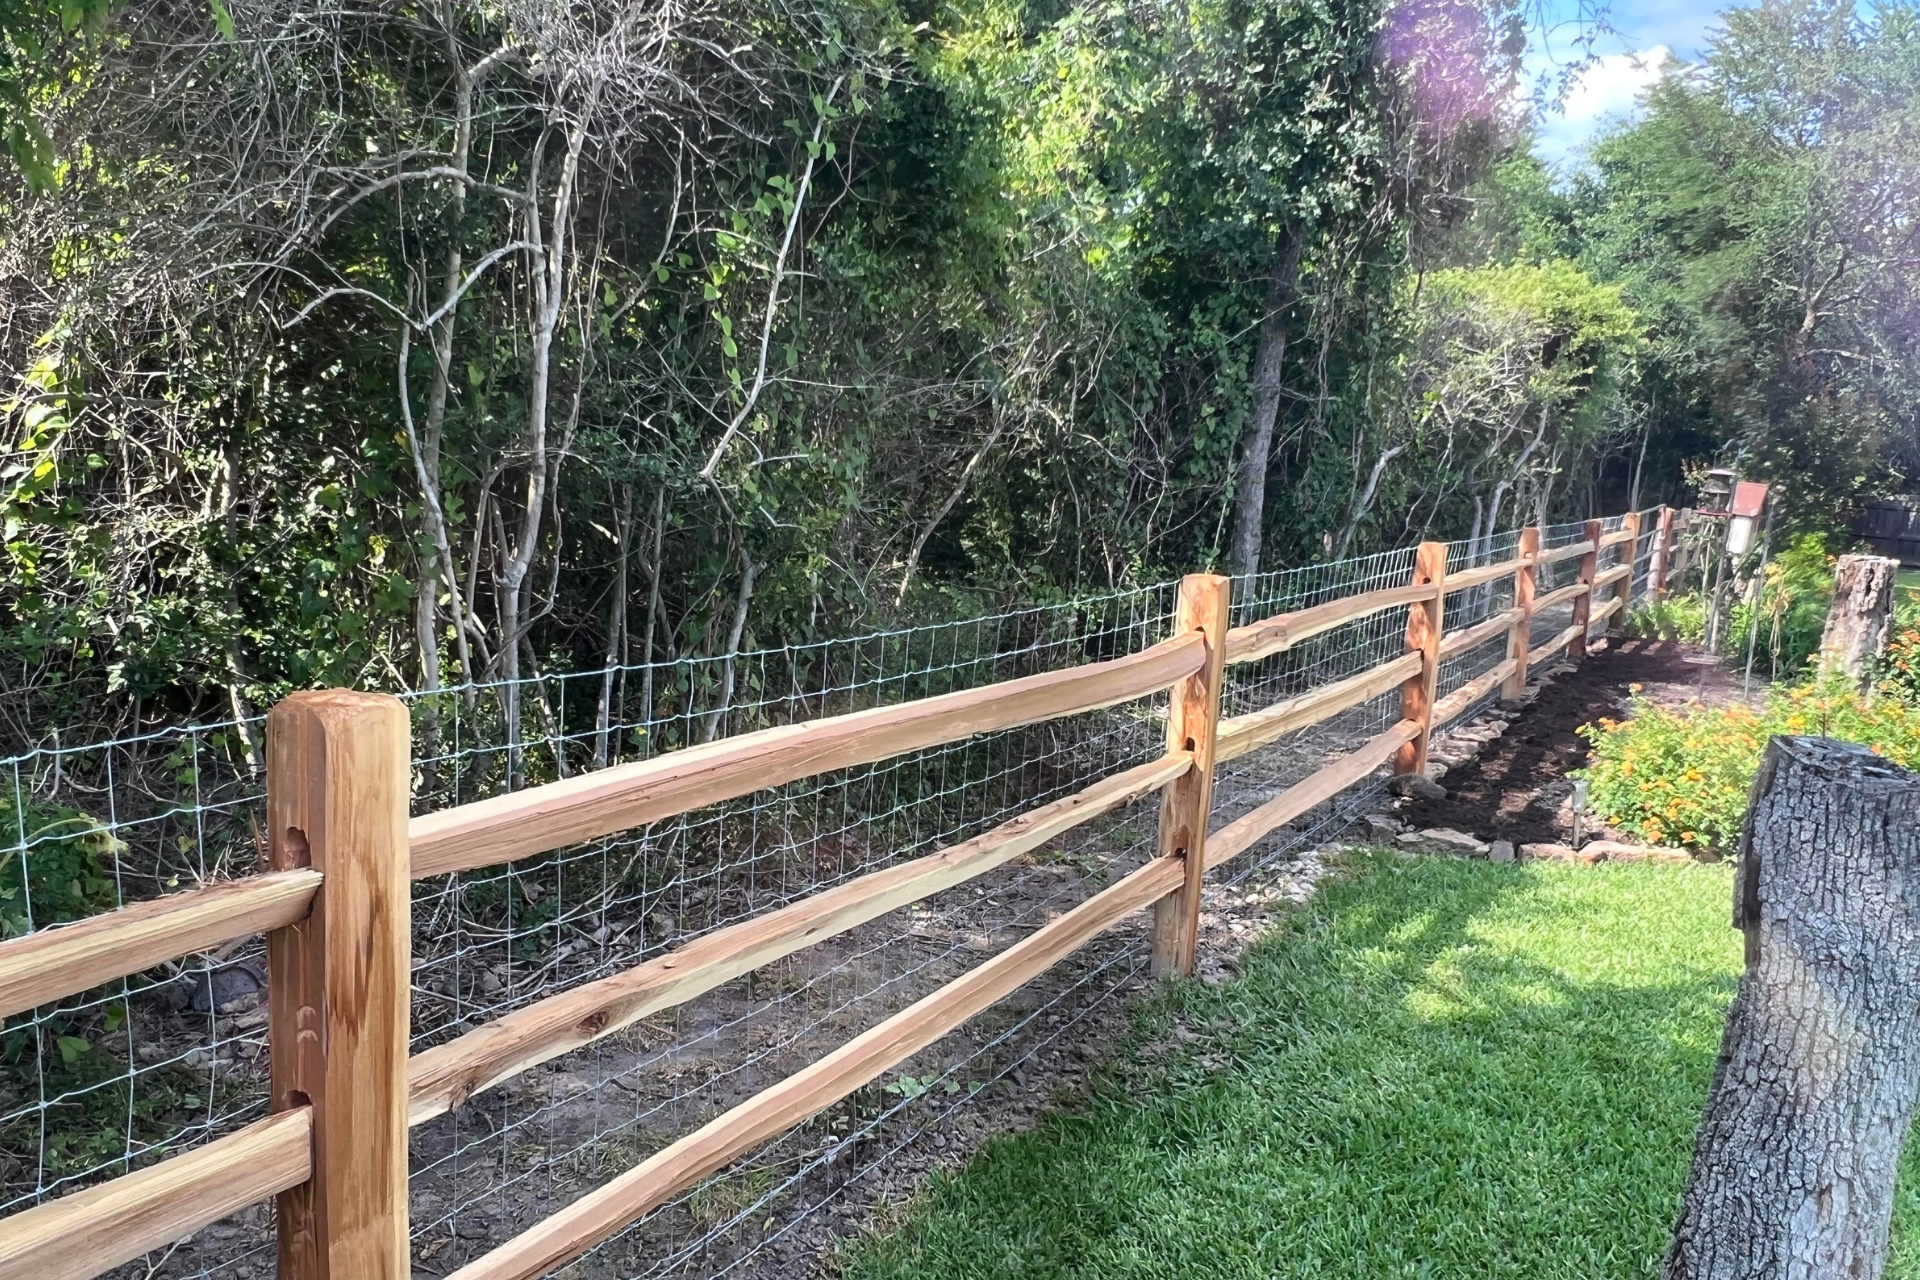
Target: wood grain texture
1619, 536
1193, 720
338, 982
1423, 637
53, 964
1622, 574
1468, 637
1552, 647
1461, 580
600, 803
1241, 834
1525, 588
446, 1076
1610, 577
1568, 552
1241, 734
1583, 604
1605, 612
1456, 703
1572, 591
1663, 531
597, 1215
1282, 631
82, 1235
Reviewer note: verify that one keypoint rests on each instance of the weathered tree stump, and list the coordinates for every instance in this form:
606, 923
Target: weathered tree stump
1861, 617
1819, 1069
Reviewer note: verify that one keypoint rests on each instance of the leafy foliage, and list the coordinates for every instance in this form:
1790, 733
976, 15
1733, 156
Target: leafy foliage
1684, 776
55, 863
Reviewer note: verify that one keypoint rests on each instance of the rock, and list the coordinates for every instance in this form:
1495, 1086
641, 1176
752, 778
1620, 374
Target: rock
1500, 851
1441, 840
1587, 855
1435, 770
234, 987
1416, 786
1621, 851
1382, 826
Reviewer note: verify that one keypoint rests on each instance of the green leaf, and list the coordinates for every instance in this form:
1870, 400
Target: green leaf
72, 1047
223, 19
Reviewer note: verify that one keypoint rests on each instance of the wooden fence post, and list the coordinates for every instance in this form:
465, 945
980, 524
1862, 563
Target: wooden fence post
1662, 554
1525, 587
1583, 603
337, 780
1193, 718
1629, 554
1424, 624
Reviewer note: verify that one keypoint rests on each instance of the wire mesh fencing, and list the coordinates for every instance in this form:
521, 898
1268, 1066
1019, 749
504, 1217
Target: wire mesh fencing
110, 1081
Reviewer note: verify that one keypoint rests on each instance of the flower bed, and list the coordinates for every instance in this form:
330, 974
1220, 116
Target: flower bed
1683, 776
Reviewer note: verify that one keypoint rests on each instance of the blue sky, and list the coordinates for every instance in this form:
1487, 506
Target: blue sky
1644, 33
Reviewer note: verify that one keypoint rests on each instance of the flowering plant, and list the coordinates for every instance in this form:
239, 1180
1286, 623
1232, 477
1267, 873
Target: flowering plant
1682, 776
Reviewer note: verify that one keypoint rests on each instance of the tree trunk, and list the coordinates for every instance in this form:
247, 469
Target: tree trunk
1794, 1163
1861, 617
1256, 444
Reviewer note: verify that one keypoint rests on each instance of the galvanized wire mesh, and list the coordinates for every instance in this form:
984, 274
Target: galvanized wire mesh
109, 1081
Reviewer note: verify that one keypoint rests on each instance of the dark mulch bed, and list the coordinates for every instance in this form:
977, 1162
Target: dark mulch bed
1516, 788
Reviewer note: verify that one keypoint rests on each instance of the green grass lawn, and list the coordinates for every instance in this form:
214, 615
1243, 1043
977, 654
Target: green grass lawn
1437, 1068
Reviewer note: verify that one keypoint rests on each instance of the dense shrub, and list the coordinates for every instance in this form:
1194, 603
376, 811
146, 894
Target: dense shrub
1899, 672
1683, 776
1681, 618
1792, 612
58, 867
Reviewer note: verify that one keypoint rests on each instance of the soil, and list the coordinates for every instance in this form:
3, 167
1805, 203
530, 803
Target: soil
1516, 786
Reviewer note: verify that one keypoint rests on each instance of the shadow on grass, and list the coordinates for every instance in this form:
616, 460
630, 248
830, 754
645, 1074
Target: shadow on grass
1436, 1068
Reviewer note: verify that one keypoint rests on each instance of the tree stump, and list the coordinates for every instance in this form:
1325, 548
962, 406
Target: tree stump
1860, 619
1793, 1166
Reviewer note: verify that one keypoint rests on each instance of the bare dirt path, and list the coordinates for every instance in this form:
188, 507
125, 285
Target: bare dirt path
1516, 788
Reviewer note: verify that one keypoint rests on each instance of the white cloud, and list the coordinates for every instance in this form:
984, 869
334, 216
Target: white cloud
1605, 92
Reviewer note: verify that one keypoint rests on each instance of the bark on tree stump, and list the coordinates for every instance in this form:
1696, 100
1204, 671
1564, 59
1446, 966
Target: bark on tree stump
1861, 618
1819, 1069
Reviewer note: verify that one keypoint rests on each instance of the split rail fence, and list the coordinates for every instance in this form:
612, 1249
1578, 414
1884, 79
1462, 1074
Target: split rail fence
334, 902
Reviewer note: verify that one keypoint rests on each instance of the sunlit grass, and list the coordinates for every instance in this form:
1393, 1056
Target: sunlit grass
1438, 1068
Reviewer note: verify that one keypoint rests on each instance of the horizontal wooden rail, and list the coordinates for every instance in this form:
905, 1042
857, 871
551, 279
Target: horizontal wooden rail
1484, 573
89, 1232
1456, 703
1602, 612
53, 964
1460, 641
1617, 537
600, 1213
446, 1076
1568, 552
600, 803
1240, 734
1240, 835
1273, 635
1572, 591
1607, 577
1553, 646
